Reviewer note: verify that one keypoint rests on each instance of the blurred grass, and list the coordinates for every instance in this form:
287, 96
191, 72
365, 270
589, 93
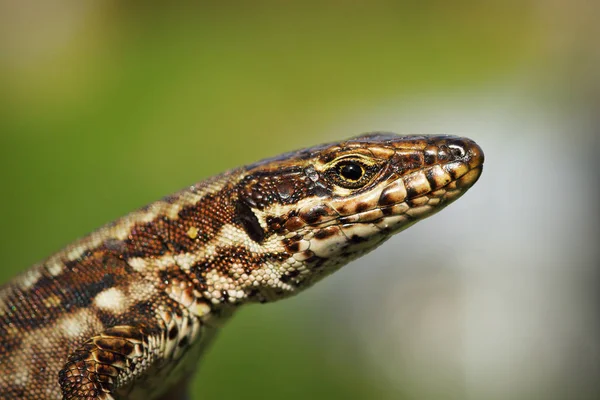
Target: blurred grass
139, 100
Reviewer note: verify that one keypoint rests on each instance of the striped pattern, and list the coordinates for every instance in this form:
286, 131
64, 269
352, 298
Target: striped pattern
125, 312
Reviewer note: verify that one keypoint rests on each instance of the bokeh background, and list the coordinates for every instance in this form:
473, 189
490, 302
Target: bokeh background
106, 106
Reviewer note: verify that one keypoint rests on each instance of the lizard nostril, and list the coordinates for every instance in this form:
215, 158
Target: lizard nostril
465, 150
456, 150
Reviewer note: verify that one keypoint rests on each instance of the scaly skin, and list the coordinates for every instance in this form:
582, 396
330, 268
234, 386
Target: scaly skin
125, 312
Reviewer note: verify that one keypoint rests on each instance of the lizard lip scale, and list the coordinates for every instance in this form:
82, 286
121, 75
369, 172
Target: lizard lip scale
449, 171
423, 175
125, 312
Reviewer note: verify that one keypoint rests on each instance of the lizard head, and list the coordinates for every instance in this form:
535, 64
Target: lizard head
324, 206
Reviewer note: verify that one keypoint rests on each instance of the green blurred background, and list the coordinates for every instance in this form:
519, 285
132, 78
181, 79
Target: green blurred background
105, 106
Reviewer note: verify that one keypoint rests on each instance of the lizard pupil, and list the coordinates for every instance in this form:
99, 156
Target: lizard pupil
351, 171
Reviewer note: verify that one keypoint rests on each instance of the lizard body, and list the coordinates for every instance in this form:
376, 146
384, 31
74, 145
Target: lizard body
125, 312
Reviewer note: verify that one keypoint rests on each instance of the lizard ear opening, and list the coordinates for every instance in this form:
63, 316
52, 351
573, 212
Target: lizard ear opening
249, 222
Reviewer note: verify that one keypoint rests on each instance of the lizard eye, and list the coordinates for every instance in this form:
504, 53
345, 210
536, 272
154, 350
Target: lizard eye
351, 171
350, 174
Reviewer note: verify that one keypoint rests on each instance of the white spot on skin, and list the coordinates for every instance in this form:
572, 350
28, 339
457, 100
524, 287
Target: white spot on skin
21, 377
163, 262
138, 264
30, 278
55, 267
76, 325
76, 252
111, 299
140, 291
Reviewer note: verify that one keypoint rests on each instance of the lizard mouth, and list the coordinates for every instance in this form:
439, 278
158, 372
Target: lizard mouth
406, 199
411, 208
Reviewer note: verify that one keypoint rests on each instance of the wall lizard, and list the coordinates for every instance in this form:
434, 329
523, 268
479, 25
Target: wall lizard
126, 311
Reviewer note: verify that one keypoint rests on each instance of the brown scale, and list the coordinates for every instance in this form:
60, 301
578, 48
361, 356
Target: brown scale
166, 235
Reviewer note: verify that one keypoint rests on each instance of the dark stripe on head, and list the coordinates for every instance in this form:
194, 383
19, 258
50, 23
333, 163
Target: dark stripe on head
248, 220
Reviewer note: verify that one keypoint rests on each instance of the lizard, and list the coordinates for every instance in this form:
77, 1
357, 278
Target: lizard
125, 312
